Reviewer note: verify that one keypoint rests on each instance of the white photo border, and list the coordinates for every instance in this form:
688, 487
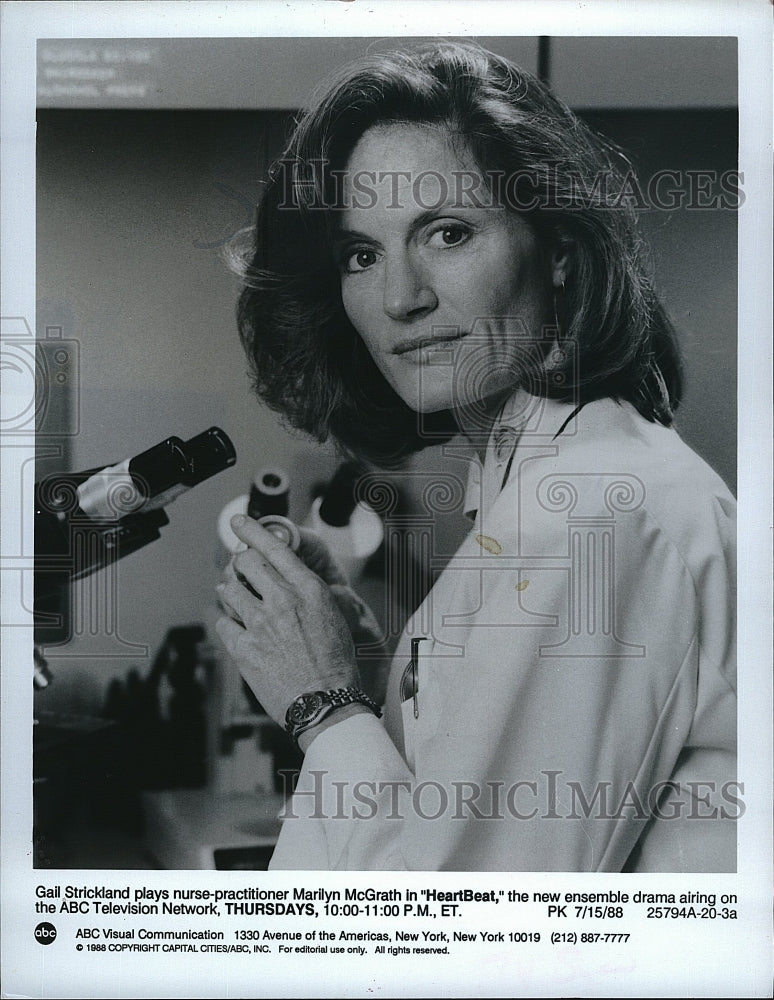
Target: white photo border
32, 970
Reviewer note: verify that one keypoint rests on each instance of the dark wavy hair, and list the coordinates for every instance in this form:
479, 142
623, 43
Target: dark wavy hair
307, 360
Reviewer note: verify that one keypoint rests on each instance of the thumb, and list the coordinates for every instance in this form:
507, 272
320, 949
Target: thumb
358, 616
316, 555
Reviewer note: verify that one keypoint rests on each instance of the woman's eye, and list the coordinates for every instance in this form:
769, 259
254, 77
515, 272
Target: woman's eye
449, 236
360, 260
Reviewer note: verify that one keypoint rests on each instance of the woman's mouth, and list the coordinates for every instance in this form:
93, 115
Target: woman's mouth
420, 349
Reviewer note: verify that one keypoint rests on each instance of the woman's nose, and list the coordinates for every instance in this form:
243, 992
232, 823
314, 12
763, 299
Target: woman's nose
408, 292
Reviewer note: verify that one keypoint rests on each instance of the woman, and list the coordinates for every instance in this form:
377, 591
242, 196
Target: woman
446, 250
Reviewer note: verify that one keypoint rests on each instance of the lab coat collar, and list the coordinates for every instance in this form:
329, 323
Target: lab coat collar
522, 417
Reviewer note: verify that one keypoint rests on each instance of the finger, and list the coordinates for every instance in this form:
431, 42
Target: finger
255, 572
225, 607
239, 603
230, 633
221, 603
275, 551
231, 575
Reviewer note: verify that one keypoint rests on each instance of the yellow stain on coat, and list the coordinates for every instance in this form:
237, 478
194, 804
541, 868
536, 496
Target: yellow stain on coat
490, 544
523, 585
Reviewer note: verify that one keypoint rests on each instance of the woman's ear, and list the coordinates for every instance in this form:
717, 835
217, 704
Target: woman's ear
560, 265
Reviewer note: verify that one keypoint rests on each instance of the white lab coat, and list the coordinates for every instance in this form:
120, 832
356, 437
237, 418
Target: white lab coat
576, 691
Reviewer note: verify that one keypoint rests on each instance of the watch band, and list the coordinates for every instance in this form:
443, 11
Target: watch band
309, 709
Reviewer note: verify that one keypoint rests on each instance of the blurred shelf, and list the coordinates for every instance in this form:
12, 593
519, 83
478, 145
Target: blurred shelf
200, 829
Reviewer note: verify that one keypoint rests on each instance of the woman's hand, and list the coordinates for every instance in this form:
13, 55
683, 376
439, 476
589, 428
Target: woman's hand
315, 554
365, 630
283, 627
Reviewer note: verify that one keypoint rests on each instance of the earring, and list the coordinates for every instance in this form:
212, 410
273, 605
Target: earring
557, 355
556, 314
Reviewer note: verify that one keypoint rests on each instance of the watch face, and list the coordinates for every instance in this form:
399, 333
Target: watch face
304, 709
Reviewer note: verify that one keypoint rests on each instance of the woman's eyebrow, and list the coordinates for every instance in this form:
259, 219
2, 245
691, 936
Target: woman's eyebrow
348, 235
431, 214
418, 222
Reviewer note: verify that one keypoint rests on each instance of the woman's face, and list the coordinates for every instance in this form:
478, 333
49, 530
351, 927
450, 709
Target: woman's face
449, 293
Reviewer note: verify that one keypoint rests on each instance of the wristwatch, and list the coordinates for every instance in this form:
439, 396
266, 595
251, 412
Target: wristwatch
309, 709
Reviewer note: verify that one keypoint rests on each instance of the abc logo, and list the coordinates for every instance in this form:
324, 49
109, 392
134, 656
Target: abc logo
45, 933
